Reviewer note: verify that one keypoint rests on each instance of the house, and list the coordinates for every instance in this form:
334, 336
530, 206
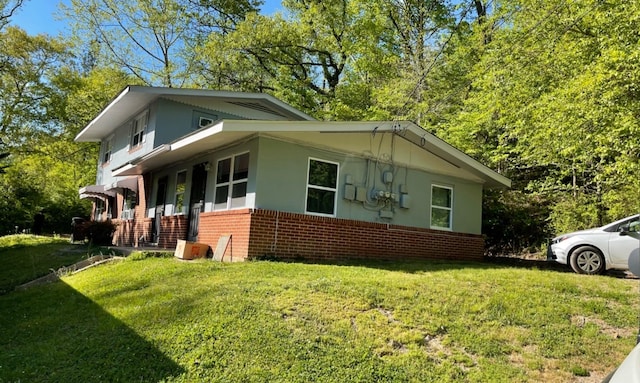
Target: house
267, 180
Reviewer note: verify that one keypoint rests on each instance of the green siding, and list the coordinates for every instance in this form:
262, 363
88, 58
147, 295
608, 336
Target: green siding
281, 185
278, 179
173, 120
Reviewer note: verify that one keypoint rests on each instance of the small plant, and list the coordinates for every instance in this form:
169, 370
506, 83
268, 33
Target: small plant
579, 371
140, 255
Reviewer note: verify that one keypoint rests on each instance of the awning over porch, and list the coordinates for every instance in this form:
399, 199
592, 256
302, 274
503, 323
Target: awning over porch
130, 183
95, 191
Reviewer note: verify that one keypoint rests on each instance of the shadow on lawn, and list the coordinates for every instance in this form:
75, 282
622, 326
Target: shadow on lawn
421, 266
55, 334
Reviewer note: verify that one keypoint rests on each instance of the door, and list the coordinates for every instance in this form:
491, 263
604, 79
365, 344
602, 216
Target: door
621, 245
196, 202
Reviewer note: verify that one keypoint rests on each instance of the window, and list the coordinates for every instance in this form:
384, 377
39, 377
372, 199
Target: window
108, 148
100, 207
441, 207
137, 131
232, 175
204, 121
130, 202
181, 185
322, 187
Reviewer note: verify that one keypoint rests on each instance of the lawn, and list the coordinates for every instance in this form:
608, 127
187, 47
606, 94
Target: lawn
27, 257
165, 320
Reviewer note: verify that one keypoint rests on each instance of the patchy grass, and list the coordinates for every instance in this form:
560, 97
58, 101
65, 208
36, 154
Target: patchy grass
161, 319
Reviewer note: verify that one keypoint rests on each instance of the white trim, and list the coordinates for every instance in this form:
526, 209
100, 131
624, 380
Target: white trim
231, 182
450, 209
136, 130
108, 144
104, 111
308, 185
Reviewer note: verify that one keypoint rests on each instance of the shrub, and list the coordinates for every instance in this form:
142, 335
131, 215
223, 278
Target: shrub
97, 232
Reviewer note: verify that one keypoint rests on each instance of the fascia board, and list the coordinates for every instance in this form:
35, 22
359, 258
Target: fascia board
198, 135
104, 111
458, 157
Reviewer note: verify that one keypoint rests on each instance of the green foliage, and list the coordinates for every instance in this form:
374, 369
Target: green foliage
98, 233
164, 320
141, 255
513, 222
549, 102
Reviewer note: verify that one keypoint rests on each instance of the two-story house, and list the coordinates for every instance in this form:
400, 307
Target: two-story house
201, 165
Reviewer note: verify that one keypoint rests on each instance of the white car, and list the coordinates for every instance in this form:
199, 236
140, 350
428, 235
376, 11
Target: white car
595, 250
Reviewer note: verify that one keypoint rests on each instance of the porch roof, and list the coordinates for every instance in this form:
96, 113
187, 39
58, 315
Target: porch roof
225, 132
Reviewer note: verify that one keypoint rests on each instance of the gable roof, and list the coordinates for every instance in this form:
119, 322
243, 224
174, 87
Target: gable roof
134, 98
434, 153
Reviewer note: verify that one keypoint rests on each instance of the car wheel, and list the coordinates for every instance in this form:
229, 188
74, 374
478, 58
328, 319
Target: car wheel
587, 260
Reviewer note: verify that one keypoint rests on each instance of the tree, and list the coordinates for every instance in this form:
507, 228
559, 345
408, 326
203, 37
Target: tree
550, 103
7, 9
150, 39
25, 64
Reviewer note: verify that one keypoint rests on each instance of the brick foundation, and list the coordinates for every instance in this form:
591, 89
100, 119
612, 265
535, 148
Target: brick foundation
291, 236
260, 233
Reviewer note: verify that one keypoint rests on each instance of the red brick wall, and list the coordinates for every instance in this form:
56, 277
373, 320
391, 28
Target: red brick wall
124, 232
235, 222
134, 232
259, 233
295, 236
173, 228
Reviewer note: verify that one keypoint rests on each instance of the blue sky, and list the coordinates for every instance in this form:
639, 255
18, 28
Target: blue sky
37, 16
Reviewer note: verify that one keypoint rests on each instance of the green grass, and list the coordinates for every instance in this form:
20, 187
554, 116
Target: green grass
161, 319
27, 257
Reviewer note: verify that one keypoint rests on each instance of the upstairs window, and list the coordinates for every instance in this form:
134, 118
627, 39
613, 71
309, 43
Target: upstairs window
232, 176
138, 129
108, 148
181, 186
322, 184
441, 207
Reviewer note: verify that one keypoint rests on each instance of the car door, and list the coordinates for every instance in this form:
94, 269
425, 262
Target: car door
621, 245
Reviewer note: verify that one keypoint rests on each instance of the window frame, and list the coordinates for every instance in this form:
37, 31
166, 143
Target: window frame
138, 129
231, 183
182, 193
129, 203
203, 118
107, 151
447, 208
319, 187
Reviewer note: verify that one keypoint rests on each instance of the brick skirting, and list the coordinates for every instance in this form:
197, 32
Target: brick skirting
263, 233
291, 236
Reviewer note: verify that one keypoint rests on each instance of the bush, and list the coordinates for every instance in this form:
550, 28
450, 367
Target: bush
514, 222
97, 232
